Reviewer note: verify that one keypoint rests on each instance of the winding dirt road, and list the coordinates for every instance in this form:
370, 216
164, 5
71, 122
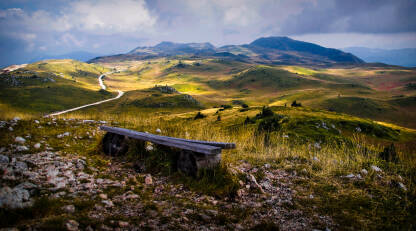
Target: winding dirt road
100, 81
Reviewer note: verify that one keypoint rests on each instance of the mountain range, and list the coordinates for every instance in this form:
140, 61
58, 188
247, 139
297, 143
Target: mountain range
269, 50
402, 57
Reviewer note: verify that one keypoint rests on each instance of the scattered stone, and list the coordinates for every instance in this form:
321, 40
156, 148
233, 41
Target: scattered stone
103, 196
20, 165
36, 121
62, 135
14, 198
4, 159
72, 225
402, 186
149, 147
148, 179
364, 171
254, 181
10, 129
26, 185
375, 168
158, 130
267, 166
69, 208
315, 158
108, 203
123, 224
37, 145
350, 176
20, 140
22, 148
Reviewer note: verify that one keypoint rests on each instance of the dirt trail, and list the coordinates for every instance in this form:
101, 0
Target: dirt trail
101, 83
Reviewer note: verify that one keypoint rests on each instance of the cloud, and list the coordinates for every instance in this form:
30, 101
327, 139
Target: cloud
115, 26
107, 17
372, 16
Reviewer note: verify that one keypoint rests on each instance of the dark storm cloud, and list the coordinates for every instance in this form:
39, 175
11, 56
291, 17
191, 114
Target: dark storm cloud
33, 27
373, 16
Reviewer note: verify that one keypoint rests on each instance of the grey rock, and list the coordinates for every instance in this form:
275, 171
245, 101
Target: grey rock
21, 165
4, 159
20, 140
72, 225
108, 203
402, 186
26, 185
14, 198
69, 208
123, 224
22, 148
375, 168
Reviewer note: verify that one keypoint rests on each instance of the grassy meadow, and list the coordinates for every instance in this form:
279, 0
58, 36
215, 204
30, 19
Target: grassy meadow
348, 116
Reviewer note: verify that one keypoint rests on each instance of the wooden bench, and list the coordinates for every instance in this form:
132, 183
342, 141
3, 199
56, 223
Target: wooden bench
194, 154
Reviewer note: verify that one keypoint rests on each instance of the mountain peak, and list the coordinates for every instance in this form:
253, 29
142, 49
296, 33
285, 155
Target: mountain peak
276, 50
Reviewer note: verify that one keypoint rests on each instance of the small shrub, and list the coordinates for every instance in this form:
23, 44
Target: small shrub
226, 106
218, 118
199, 115
296, 104
265, 112
249, 121
389, 154
270, 124
244, 105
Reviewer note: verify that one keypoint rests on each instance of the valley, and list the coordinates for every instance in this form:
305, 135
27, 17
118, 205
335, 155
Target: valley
323, 140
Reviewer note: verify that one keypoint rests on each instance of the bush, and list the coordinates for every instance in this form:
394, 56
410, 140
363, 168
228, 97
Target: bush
244, 105
199, 115
270, 124
295, 104
265, 112
226, 106
249, 121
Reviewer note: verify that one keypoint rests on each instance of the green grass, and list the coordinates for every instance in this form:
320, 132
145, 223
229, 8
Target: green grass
49, 97
266, 77
316, 145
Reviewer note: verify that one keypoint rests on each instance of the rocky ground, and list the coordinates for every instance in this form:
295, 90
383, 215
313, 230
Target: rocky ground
78, 194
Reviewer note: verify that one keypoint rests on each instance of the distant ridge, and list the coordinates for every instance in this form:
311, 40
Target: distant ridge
403, 57
269, 50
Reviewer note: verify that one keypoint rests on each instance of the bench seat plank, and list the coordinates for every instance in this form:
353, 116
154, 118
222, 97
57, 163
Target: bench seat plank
167, 141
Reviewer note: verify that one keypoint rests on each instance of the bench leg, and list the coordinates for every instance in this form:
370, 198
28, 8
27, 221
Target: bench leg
114, 144
190, 162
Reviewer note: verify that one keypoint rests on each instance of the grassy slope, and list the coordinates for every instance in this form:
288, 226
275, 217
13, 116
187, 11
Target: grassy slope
215, 82
41, 95
298, 134
367, 204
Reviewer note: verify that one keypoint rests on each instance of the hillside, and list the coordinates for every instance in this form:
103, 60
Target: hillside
271, 50
49, 86
322, 148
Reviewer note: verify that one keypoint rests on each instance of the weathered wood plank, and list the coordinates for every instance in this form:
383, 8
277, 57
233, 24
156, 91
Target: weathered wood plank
211, 143
163, 140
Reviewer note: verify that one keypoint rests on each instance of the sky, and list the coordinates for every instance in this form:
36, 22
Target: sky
31, 28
